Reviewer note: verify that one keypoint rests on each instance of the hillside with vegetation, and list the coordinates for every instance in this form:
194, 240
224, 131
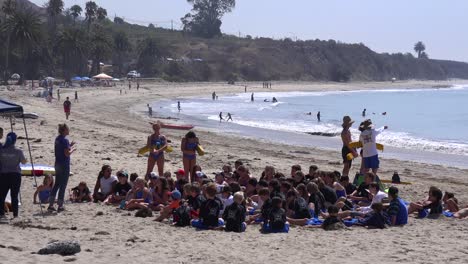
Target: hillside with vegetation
68, 41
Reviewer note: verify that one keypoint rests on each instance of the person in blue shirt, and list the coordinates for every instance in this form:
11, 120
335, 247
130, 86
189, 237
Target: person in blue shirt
397, 211
63, 151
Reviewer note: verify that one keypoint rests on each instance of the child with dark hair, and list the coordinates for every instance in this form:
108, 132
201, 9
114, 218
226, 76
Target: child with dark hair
396, 211
226, 197
297, 206
374, 219
276, 220
234, 214
195, 200
133, 177
332, 222
312, 173
275, 189
349, 187
81, 193
431, 206
294, 169
209, 210
450, 202
285, 187
302, 191
251, 187
316, 199
299, 178
120, 190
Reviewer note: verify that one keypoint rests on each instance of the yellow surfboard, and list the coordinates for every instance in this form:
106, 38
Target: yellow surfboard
358, 144
200, 150
145, 149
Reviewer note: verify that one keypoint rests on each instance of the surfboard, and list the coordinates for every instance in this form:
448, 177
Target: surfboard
358, 144
39, 170
390, 181
145, 149
200, 150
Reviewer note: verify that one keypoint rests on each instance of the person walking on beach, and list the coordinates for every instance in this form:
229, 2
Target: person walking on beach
252, 97
67, 107
129, 84
58, 95
76, 96
229, 117
138, 84
245, 88
346, 149
178, 106
221, 117
63, 151
318, 116
157, 143
150, 110
369, 147
10, 174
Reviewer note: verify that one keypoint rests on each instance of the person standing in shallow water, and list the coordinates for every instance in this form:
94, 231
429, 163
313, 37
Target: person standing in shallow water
221, 117
63, 151
178, 105
229, 117
364, 112
318, 116
252, 97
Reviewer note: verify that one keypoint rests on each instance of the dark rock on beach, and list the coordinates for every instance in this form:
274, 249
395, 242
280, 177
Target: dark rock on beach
64, 248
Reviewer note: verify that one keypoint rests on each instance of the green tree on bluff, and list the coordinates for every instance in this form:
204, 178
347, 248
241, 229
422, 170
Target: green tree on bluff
148, 55
8, 9
101, 14
419, 47
75, 12
205, 18
90, 13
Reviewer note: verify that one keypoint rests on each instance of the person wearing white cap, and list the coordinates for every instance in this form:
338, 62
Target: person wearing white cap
369, 147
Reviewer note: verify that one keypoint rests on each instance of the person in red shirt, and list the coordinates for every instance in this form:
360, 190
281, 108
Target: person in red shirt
67, 107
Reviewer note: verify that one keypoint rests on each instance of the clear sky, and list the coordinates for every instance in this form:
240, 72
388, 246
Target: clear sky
383, 25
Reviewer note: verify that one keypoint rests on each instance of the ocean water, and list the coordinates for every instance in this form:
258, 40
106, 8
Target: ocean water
429, 125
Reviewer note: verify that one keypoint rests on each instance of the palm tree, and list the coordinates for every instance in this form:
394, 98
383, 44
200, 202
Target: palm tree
101, 47
8, 8
419, 48
122, 47
101, 14
91, 9
148, 52
54, 8
23, 29
71, 45
75, 12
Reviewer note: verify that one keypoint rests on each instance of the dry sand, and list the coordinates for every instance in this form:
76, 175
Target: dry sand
110, 127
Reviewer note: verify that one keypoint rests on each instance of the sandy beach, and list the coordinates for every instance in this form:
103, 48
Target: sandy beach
109, 128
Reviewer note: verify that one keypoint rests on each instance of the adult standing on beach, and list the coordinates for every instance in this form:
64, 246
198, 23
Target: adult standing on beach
156, 143
76, 96
150, 110
346, 149
138, 84
318, 116
188, 147
67, 107
369, 147
10, 173
58, 95
252, 97
63, 151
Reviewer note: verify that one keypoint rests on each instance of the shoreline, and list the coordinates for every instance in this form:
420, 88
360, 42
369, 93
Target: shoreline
321, 140
109, 128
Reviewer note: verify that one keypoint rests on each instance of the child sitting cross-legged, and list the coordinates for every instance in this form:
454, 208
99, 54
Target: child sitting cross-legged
139, 196
81, 193
234, 214
44, 190
167, 210
276, 220
209, 210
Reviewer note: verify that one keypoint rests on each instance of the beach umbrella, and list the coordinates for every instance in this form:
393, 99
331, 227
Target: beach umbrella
15, 76
77, 78
103, 76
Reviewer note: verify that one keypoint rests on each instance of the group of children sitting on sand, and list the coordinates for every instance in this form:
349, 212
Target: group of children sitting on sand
235, 199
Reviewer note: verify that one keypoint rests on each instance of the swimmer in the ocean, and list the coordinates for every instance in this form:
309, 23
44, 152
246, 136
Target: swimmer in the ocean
274, 100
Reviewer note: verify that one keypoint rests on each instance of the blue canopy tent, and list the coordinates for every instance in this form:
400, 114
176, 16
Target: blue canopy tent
77, 78
11, 110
